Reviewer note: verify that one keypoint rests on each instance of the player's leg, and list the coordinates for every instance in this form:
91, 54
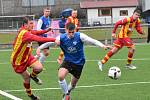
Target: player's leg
131, 51
72, 84
108, 55
60, 57
117, 46
37, 68
26, 84
62, 72
76, 73
43, 55
64, 69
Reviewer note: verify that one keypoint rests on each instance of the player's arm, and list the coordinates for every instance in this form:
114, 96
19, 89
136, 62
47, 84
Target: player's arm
41, 31
39, 24
87, 39
31, 37
45, 45
139, 28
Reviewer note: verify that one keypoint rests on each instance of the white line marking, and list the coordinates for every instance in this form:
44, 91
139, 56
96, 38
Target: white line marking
88, 60
88, 86
9, 95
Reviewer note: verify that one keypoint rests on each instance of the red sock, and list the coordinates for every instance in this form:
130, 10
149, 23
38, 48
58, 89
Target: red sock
130, 55
107, 56
28, 89
34, 73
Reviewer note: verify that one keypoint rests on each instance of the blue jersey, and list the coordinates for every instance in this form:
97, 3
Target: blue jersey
62, 23
72, 48
45, 25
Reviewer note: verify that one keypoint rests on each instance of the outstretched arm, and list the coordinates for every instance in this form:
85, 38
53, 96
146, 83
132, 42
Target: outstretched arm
45, 45
87, 39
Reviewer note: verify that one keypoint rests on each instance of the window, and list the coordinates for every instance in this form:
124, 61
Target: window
123, 12
104, 12
37, 2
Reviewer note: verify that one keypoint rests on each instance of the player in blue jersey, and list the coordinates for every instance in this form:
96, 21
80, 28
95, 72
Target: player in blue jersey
71, 43
44, 23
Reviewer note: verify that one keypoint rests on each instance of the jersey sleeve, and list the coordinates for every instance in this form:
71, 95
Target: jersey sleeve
39, 24
31, 37
87, 39
138, 27
120, 22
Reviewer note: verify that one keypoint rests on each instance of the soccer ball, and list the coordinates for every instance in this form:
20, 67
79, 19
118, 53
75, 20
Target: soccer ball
114, 72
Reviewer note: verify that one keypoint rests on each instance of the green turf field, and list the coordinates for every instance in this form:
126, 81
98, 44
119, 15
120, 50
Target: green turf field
93, 84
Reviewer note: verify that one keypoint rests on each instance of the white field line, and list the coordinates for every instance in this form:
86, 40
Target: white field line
86, 60
9, 95
87, 86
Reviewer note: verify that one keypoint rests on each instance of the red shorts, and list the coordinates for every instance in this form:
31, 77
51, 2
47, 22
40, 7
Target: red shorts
120, 42
21, 68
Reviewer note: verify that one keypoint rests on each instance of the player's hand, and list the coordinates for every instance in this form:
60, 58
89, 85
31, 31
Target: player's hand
106, 47
49, 29
113, 35
38, 52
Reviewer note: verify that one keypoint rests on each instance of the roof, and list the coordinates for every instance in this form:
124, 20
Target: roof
109, 3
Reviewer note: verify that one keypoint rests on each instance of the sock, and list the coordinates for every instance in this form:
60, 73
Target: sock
28, 89
61, 54
42, 58
63, 85
70, 87
34, 73
130, 55
107, 56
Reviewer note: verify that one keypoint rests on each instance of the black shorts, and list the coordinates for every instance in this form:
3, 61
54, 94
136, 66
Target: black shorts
73, 69
40, 43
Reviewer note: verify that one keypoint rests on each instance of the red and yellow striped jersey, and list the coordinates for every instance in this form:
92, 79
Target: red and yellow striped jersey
73, 20
127, 26
22, 47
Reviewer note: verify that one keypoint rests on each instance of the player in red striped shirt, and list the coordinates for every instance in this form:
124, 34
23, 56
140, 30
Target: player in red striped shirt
123, 38
22, 57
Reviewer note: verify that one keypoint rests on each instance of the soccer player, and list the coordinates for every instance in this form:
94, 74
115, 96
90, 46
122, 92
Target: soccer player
62, 23
71, 19
44, 23
22, 57
123, 38
71, 43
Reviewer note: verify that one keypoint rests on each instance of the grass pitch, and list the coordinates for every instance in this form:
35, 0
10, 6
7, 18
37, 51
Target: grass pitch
93, 84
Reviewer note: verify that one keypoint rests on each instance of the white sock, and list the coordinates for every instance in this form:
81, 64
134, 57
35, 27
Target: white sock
42, 58
63, 85
70, 87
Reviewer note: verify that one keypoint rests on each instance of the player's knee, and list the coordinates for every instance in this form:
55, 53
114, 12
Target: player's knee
38, 68
61, 77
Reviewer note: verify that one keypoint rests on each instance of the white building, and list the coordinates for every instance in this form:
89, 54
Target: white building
108, 11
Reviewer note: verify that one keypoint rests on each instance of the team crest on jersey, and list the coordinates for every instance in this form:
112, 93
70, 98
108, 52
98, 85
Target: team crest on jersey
75, 42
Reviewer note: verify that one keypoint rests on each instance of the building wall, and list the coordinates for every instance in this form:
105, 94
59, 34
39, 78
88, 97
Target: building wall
92, 15
116, 13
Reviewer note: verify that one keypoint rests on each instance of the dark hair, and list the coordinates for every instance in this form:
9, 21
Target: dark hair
70, 26
25, 20
137, 11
